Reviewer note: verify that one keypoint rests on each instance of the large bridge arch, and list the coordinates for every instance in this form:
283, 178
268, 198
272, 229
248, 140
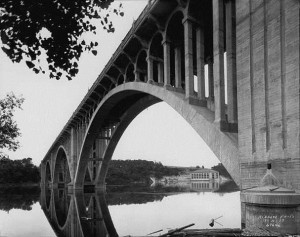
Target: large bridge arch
128, 100
61, 174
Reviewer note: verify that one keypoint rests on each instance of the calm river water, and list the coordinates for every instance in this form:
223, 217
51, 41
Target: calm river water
120, 211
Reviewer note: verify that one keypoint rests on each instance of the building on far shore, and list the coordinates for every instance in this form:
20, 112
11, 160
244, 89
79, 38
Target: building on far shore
193, 179
204, 175
200, 174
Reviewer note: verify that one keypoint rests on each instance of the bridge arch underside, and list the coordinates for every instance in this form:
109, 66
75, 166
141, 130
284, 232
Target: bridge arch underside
61, 170
122, 104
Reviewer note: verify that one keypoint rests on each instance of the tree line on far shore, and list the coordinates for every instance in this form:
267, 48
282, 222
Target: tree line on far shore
120, 171
137, 171
18, 171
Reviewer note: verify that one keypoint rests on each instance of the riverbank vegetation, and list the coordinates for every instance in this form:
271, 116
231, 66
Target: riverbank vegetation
137, 171
18, 172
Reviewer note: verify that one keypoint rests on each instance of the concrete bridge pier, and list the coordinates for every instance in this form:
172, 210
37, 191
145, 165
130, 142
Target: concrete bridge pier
271, 207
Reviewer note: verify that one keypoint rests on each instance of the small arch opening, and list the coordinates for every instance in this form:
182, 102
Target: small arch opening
175, 35
130, 73
141, 66
61, 171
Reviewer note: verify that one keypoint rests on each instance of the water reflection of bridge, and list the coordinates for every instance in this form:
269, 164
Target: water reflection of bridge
87, 214
77, 214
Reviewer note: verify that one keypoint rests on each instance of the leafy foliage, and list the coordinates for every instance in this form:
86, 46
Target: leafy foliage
18, 171
136, 171
9, 130
31, 28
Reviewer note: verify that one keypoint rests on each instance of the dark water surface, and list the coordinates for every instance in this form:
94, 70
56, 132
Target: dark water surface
120, 211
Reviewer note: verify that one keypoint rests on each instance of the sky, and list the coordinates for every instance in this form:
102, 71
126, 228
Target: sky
159, 133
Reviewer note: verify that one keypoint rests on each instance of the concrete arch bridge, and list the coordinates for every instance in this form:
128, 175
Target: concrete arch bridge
176, 49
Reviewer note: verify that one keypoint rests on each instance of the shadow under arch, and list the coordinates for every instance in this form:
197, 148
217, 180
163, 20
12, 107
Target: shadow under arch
175, 35
128, 100
157, 54
141, 65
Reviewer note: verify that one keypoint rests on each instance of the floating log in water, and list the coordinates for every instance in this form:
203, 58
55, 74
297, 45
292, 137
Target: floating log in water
171, 232
155, 232
211, 232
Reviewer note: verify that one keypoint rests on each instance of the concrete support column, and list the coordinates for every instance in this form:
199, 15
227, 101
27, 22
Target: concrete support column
137, 75
210, 67
79, 137
160, 70
231, 63
149, 69
73, 153
167, 62
218, 35
200, 63
53, 176
178, 67
188, 57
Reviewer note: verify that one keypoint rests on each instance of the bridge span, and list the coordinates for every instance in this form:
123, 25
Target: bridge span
253, 128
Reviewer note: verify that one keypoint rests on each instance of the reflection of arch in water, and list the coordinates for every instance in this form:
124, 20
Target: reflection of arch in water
45, 197
48, 197
94, 215
61, 206
70, 225
61, 170
84, 215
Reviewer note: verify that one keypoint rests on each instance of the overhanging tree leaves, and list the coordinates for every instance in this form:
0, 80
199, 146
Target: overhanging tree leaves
9, 130
31, 28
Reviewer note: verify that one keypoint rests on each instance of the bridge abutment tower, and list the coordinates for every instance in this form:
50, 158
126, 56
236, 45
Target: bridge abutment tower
267, 35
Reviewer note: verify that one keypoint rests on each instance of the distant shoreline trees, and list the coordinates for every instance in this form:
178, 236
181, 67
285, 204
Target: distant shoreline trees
136, 171
18, 171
